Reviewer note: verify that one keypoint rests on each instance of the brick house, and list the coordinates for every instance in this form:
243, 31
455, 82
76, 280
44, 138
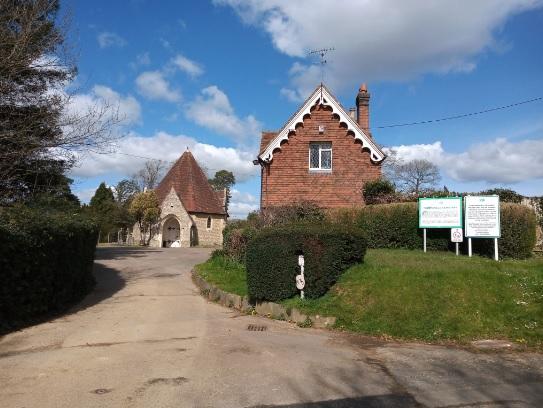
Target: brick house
191, 211
323, 154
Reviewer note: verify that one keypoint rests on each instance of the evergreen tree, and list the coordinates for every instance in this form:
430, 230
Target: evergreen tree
104, 210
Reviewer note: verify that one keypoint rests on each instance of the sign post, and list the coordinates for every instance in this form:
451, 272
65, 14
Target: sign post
483, 219
300, 279
442, 212
457, 236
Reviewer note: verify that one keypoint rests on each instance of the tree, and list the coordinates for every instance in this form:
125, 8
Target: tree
125, 190
149, 176
506, 195
223, 180
146, 211
413, 176
104, 210
36, 124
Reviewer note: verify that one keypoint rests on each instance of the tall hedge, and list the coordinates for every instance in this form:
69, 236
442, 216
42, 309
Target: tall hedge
272, 259
518, 233
45, 263
396, 226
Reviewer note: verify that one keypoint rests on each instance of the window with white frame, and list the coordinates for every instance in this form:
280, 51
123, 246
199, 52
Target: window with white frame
320, 156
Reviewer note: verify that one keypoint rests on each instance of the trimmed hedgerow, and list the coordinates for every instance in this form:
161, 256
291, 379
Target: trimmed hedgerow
272, 259
518, 233
45, 263
396, 226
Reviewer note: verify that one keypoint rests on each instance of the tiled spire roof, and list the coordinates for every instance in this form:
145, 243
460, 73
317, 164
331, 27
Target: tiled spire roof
191, 185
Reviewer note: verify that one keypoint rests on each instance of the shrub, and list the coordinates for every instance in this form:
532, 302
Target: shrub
236, 237
396, 226
518, 233
301, 211
506, 195
272, 259
379, 191
45, 263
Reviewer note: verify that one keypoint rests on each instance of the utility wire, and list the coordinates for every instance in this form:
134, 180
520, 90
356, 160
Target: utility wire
464, 115
422, 122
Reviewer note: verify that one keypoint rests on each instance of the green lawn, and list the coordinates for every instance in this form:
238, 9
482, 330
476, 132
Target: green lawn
228, 275
433, 296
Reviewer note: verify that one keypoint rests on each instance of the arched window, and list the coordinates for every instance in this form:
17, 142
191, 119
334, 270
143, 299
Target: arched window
208, 222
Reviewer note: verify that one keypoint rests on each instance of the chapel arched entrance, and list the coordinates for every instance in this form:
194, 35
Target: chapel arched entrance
171, 232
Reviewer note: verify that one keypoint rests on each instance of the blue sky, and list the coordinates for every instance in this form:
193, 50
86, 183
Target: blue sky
212, 75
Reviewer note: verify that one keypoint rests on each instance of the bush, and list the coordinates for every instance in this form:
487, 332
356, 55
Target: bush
46, 263
236, 237
272, 259
379, 191
396, 226
518, 233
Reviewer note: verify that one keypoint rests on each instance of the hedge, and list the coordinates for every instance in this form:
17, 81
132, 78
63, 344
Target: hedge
396, 226
45, 263
272, 259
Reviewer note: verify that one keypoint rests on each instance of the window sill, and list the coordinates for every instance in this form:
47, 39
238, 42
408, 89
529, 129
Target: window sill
320, 171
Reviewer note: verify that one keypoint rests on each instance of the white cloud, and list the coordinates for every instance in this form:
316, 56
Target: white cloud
188, 66
242, 204
380, 40
212, 109
126, 108
497, 162
132, 151
109, 39
153, 85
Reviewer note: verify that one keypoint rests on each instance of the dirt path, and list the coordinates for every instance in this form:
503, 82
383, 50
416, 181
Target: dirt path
145, 338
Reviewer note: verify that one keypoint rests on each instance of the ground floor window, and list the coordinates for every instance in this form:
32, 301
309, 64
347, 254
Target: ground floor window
208, 222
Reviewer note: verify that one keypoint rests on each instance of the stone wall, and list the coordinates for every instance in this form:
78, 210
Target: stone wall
288, 178
209, 236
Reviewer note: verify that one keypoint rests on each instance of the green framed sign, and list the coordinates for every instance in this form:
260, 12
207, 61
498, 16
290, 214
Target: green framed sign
442, 212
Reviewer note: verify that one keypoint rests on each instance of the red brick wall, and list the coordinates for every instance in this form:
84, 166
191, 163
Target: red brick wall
287, 178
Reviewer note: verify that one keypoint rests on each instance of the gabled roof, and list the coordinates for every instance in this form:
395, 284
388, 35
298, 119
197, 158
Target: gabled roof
191, 185
321, 96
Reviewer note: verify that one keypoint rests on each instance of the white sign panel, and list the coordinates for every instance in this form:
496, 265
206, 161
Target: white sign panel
483, 216
444, 212
300, 281
457, 235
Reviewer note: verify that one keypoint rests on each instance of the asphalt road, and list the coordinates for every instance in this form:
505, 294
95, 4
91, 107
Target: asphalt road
145, 338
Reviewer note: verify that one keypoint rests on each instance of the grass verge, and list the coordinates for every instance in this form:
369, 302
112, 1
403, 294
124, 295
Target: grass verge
431, 297
228, 275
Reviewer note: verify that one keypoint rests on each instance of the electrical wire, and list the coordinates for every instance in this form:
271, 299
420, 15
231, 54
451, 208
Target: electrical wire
464, 115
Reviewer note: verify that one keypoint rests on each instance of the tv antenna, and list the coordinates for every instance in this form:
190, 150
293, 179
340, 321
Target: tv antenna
322, 53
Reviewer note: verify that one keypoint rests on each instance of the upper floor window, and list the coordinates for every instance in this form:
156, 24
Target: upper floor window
320, 156
208, 222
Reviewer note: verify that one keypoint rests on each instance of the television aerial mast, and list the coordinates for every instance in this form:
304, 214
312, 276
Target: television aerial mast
322, 54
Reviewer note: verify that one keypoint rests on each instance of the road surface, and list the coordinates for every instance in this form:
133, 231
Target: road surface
145, 338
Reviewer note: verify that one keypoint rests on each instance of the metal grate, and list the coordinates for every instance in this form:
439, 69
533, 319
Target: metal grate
254, 327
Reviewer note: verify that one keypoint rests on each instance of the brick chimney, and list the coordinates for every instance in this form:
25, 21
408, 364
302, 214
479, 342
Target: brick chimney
363, 108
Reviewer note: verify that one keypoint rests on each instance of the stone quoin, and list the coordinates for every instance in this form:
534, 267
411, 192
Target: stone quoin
323, 154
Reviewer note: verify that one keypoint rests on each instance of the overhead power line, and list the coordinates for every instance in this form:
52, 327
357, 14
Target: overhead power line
422, 122
463, 115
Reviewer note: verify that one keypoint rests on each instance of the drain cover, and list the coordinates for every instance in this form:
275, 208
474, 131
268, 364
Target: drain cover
254, 327
101, 391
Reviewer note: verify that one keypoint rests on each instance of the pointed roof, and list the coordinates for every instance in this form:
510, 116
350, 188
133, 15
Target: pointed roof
191, 185
320, 96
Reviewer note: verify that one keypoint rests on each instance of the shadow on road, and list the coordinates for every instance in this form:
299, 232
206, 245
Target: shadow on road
121, 252
377, 401
108, 282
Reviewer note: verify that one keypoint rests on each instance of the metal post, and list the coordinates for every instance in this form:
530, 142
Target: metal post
496, 256
424, 234
457, 252
469, 247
